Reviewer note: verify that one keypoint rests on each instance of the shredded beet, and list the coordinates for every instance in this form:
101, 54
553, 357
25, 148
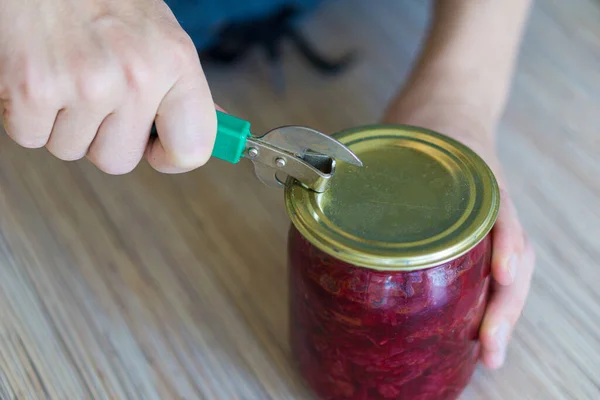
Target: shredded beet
362, 334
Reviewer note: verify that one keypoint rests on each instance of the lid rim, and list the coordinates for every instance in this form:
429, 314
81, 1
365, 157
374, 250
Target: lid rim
384, 260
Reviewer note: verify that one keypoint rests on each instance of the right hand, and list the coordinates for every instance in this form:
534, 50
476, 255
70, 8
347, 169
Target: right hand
89, 77
513, 258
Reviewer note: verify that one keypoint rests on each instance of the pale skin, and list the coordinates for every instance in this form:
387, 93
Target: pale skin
87, 78
459, 87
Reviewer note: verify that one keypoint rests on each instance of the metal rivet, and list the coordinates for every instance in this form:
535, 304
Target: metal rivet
280, 162
252, 152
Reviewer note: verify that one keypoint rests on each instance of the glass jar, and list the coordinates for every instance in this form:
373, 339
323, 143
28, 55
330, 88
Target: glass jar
390, 268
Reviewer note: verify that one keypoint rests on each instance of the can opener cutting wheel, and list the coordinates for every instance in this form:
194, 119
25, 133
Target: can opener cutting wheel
302, 153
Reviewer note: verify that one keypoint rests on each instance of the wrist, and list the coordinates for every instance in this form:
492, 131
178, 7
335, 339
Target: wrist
461, 122
446, 109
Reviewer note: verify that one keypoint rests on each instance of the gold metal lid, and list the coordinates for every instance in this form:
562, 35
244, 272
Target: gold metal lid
420, 199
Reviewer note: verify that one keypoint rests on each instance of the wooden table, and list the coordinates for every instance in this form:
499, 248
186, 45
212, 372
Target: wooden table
149, 286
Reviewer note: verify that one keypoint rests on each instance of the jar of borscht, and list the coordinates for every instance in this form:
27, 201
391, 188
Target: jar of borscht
389, 269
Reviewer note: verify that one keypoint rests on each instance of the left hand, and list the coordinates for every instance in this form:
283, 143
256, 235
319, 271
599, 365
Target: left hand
513, 257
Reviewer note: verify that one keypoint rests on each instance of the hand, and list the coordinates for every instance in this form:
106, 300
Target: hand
89, 77
513, 257
513, 261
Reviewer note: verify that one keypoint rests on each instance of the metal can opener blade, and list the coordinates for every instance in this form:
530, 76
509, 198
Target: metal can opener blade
299, 152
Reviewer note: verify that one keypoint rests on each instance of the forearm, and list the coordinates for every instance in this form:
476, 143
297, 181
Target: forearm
466, 66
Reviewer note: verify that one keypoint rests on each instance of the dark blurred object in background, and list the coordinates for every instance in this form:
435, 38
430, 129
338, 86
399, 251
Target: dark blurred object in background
225, 31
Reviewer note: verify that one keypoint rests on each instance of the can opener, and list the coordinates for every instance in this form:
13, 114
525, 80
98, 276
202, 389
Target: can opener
299, 152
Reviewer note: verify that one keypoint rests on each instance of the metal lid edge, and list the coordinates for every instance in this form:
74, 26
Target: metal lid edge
391, 263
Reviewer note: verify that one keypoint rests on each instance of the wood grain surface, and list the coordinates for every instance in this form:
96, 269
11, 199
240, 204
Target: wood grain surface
148, 286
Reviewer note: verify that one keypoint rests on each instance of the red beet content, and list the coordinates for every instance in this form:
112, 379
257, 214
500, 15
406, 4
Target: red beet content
363, 334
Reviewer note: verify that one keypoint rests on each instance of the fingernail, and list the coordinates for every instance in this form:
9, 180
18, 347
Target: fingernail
512, 267
501, 337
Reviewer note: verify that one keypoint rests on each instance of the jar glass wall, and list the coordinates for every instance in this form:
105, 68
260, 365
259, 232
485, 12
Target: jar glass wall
389, 269
359, 334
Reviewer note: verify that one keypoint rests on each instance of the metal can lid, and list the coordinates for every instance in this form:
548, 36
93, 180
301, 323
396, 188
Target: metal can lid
420, 199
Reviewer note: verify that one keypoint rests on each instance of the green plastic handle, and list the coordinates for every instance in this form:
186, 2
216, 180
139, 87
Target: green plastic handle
232, 134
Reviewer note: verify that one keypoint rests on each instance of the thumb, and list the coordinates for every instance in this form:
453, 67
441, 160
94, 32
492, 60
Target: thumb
186, 123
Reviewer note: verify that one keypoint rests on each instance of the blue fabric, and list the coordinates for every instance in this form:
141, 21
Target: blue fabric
202, 18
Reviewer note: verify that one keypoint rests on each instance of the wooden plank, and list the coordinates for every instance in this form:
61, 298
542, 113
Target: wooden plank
151, 286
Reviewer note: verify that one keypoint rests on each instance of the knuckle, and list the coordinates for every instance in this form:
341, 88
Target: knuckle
183, 50
94, 86
28, 81
40, 92
138, 74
